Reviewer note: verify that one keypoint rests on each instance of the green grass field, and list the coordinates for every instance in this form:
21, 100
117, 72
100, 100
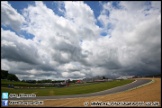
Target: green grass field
6, 82
71, 90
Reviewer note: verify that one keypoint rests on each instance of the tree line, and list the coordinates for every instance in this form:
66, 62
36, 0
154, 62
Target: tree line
8, 76
13, 77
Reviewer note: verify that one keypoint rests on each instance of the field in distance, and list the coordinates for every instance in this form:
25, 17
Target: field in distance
71, 90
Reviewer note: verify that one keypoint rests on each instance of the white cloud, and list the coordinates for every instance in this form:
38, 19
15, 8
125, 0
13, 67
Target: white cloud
156, 5
82, 15
56, 43
10, 16
17, 48
74, 75
134, 36
70, 46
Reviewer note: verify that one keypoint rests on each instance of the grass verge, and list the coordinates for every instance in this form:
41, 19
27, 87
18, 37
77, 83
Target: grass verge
71, 90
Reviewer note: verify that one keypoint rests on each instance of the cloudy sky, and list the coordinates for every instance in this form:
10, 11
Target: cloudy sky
62, 40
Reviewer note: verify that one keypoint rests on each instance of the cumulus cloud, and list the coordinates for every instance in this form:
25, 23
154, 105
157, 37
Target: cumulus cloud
76, 74
10, 17
133, 33
18, 49
69, 45
82, 15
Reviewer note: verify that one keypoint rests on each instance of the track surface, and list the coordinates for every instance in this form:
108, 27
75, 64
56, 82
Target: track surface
135, 84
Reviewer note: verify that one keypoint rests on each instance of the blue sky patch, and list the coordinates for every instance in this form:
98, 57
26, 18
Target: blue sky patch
20, 5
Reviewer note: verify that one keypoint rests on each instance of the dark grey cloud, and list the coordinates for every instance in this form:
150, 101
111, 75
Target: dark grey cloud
19, 53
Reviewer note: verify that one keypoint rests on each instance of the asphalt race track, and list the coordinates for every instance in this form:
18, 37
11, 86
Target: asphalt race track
135, 84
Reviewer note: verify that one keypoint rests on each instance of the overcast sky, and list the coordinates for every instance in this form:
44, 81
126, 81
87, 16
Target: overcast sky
62, 40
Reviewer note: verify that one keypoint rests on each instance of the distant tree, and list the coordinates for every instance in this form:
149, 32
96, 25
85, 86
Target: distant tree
4, 74
33, 81
45, 81
12, 77
22, 80
49, 81
30, 81
103, 77
38, 81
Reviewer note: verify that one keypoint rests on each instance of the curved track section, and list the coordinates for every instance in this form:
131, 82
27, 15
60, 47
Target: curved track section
135, 84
